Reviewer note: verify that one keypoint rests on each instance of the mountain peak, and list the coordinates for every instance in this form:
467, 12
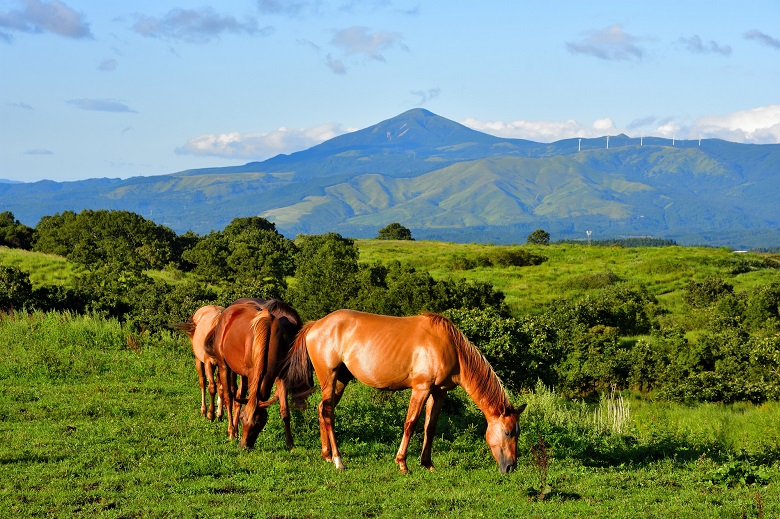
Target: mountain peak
413, 128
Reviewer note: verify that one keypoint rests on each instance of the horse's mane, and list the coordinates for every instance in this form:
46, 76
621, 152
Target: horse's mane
476, 372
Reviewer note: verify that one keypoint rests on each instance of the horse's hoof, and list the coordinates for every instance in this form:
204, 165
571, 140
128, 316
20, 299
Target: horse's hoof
338, 463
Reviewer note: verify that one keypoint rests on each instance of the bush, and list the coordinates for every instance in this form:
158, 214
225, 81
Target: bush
700, 294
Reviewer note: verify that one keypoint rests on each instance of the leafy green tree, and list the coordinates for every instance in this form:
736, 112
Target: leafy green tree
325, 278
395, 231
247, 249
15, 288
13, 233
763, 308
521, 351
539, 237
122, 239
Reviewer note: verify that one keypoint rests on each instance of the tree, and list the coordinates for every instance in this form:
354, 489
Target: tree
326, 276
395, 231
539, 237
13, 233
122, 239
15, 288
247, 249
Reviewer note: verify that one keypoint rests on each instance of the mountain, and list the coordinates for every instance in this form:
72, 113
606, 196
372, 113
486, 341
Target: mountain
446, 181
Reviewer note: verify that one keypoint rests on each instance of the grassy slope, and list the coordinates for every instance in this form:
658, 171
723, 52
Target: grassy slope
94, 425
44, 269
664, 270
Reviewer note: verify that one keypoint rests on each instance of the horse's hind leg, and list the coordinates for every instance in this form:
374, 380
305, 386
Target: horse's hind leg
200, 368
432, 410
331, 394
416, 404
209, 371
284, 412
239, 392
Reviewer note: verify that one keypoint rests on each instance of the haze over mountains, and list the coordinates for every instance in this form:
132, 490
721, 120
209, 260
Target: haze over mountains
446, 181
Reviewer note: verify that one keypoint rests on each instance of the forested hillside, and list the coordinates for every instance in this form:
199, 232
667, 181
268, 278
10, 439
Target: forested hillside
683, 323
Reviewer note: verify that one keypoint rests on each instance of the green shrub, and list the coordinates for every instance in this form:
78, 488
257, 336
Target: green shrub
700, 294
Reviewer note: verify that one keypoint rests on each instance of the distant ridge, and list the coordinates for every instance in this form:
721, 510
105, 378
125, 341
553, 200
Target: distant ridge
444, 180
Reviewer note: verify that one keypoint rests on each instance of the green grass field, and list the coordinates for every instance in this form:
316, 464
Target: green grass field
664, 270
96, 423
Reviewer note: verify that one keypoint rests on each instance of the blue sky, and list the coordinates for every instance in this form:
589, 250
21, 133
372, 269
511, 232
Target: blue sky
118, 89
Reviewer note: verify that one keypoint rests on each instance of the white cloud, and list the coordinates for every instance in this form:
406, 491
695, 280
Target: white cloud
260, 146
758, 125
610, 43
361, 41
543, 131
38, 16
101, 105
195, 26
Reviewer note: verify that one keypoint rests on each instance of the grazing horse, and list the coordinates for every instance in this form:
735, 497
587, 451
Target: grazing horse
200, 328
250, 342
426, 353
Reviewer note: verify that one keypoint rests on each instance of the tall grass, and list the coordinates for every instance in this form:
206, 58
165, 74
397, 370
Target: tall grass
613, 414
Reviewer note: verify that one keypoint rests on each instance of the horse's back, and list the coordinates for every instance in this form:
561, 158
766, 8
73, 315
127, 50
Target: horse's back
234, 335
384, 351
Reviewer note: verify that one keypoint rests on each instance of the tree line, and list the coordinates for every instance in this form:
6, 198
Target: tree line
147, 276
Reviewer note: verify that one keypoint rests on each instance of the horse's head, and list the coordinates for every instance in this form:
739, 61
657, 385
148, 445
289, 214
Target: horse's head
501, 437
251, 426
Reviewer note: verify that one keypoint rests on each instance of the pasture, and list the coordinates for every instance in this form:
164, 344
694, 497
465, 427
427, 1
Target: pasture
97, 422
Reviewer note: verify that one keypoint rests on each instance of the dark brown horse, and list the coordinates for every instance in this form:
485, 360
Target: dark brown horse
250, 342
200, 329
425, 353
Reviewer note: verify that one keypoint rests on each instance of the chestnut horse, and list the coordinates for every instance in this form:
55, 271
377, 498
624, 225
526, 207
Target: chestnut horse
200, 328
250, 342
426, 353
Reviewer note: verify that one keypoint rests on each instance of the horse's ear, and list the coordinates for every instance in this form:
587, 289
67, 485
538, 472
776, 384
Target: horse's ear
519, 410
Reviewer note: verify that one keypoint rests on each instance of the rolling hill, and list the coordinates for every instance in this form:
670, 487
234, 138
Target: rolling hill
446, 181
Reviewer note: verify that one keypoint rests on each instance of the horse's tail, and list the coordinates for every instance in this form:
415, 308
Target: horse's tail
261, 328
298, 371
208, 341
187, 327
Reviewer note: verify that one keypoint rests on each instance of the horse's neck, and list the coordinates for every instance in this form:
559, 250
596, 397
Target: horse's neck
481, 383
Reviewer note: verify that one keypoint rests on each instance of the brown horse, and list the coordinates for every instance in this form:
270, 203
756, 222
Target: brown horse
250, 342
425, 353
200, 328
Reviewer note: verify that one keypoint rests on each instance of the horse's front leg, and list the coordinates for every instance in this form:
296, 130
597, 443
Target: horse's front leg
415, 408
432, 411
